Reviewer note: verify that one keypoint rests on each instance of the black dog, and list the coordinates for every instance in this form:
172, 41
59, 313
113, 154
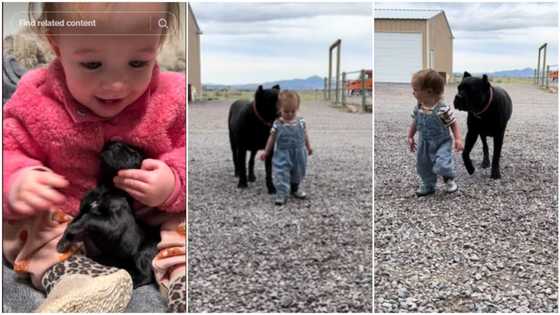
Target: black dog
106, 223
249, 128
489, 110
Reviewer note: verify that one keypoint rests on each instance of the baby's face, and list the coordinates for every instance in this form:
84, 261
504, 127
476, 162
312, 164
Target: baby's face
288, 112
109, 66
424, 97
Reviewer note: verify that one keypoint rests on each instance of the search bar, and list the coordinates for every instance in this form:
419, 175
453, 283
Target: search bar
102, 23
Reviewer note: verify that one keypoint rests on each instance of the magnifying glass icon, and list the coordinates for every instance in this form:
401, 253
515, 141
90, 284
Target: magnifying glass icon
162, 23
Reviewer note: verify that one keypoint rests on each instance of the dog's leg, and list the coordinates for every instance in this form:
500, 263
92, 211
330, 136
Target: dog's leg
498, 141
234, 154
252, 177
241, 160
486, 158
268, 169
470, 140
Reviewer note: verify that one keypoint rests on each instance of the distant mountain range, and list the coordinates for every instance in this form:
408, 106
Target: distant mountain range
311, 83
316, 82
517, 73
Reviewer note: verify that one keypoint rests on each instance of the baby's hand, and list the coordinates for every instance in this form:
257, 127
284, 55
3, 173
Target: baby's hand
309, 151
412, 144
458, 144
263, 156
35, 190
150, 185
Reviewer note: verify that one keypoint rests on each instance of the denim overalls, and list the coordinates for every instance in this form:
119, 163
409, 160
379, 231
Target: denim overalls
434, 152
290, 157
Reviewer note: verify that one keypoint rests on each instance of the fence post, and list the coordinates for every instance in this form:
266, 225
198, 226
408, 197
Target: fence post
343, 89
325, 90
546, 75
363, 88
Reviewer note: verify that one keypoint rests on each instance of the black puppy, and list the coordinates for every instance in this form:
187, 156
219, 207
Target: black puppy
489, 109
249, 128
106, 223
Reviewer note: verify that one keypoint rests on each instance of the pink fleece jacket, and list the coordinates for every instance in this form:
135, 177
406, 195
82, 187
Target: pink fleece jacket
45, 126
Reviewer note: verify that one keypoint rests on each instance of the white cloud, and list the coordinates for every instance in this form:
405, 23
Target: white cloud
276, 49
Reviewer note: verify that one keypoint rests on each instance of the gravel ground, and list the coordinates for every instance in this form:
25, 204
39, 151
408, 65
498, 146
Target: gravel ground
490, 247
313, 255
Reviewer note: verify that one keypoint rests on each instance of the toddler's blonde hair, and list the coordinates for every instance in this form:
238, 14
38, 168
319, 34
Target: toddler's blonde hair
429, 79
288, 99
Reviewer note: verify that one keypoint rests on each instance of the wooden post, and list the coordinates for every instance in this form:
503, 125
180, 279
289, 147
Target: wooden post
363, 89
325, 91
343, 98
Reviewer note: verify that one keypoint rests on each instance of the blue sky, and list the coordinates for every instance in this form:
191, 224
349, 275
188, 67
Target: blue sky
261, 42
496, 36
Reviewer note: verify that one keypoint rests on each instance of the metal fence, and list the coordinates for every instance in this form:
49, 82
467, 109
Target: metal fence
354, 89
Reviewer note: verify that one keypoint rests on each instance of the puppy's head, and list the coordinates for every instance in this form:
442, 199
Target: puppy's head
117, 156
266, 102
472, 93
104, 215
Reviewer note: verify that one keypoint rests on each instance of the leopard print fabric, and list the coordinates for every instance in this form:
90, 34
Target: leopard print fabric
177, 302
76, 264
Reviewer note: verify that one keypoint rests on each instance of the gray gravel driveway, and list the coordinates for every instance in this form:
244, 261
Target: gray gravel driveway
490, 247
313, 255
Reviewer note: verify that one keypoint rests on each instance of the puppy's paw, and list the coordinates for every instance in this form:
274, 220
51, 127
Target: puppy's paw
495, 175
252, 178
242, 185
271, 190
470, 169
485, 164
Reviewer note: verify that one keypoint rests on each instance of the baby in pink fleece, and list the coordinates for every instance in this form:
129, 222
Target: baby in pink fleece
104, 85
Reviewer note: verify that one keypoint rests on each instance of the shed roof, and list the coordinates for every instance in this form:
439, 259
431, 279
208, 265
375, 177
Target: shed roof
406, 14
191, 14
410, 14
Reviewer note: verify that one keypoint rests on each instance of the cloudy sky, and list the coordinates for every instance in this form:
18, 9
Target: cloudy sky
496, 36
260, 42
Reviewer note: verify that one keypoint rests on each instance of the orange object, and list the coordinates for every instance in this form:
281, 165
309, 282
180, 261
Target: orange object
553, 75
59, 217
21, 266
353, 87
169, 252
182, 230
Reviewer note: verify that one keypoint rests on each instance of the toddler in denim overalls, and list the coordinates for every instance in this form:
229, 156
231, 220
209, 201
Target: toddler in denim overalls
433, 118
288, 136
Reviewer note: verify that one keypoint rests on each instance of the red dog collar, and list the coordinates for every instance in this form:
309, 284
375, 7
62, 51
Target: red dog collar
487, 105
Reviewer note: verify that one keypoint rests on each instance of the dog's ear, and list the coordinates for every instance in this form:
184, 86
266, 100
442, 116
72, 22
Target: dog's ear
276, 87
466, 74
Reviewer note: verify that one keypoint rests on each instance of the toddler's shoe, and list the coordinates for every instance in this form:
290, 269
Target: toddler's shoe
177, 295
80, 285
279, 200
296, 192
450, 185
424, 191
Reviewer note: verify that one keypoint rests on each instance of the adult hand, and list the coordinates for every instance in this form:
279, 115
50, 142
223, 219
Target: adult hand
35, 190
151, 185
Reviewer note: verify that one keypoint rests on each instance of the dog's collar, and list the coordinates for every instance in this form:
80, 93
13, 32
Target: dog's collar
477, 115
266, 123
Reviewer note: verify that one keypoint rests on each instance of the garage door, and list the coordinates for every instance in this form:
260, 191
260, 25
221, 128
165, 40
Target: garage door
397, 56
